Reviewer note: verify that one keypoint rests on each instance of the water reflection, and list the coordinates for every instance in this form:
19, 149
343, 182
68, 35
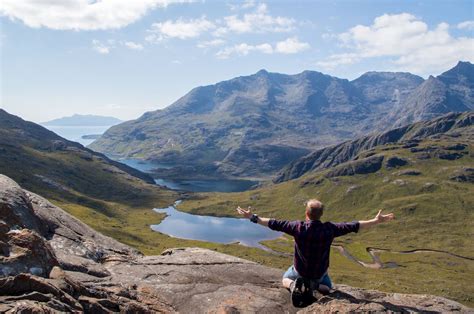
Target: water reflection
208, 185
212, 229
223, 185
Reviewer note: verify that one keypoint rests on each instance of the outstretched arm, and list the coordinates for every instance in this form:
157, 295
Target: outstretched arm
247, 213
379, 218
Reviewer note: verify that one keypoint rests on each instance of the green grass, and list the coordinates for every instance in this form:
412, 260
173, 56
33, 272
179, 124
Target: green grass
432, 212
437, 216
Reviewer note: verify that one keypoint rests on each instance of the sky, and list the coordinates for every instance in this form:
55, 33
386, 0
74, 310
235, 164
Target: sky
122, 58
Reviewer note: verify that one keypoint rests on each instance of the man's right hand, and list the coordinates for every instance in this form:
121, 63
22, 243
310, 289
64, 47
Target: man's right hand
247, 213
383, 218
379, 218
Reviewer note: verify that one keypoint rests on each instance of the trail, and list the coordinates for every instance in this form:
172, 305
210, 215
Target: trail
377, 263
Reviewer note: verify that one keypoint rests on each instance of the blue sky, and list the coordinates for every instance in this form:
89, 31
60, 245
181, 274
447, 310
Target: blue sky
123, 57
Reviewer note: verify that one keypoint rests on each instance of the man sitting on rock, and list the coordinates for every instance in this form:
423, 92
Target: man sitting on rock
312, 246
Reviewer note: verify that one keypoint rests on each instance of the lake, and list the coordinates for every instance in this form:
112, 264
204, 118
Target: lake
74, 133
210, 185
212, 229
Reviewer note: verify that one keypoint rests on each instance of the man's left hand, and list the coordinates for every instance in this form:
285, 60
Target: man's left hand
247, 213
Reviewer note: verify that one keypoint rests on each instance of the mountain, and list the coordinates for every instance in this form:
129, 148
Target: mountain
411, 134
251, 126
52, 262
83, 120
67, 172
423, 173
451, 91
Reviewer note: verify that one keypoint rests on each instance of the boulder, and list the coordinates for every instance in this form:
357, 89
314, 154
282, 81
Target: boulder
408, 172
463, 175
363, 166
394, 162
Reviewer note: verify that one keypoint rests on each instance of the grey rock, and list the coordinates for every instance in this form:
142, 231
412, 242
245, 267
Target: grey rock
464, 174
394, 162
355, 300
363, 166
408, 172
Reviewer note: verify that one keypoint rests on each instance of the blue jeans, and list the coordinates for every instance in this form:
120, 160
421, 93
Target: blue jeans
292, 274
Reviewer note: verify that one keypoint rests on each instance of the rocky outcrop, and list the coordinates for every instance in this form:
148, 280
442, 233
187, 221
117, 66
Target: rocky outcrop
394, 162
464, 174
363, 166
407, 136
52, 262
355, 300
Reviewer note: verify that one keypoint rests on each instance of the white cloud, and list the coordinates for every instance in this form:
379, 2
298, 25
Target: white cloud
80, 14
258, 21
182, 29
246, 5
291, 45
469, 25
211, 43
105, 47
132, 45
407, 41
100, 47
339, 59
244, 49
288, 46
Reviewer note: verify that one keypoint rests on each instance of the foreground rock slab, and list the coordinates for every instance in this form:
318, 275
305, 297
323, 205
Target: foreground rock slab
52, 262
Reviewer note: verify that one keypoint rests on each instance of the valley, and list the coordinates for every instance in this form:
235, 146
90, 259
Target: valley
422, 172
150, 149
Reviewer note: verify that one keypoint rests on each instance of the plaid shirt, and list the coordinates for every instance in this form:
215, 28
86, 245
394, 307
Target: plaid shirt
312, 242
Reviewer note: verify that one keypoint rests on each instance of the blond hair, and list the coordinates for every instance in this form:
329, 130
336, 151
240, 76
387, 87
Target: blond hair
314, 209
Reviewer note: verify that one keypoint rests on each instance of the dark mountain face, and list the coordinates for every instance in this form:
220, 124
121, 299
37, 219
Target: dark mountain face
38, 157
334, 155
452, 91
386, 89
249, 126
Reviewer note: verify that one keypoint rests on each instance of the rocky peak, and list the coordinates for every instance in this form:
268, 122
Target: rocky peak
463, 68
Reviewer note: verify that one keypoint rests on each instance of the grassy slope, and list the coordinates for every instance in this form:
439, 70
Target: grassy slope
99, 194
432, 212
119, 205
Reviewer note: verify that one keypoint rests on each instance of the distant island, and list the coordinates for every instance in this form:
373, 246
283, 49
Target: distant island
90, 136
83, 120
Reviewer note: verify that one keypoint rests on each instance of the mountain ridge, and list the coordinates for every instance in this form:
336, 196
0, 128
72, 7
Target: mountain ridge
334, 155
272, 118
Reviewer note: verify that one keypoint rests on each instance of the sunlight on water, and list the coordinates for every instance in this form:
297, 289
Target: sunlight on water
212, 229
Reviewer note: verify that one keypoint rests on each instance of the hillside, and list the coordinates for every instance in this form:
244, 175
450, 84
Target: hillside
87, 183
252, 126
51, 262
409, 135
83, 120
427, 181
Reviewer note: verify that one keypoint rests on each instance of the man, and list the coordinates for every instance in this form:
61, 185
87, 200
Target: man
312, 245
